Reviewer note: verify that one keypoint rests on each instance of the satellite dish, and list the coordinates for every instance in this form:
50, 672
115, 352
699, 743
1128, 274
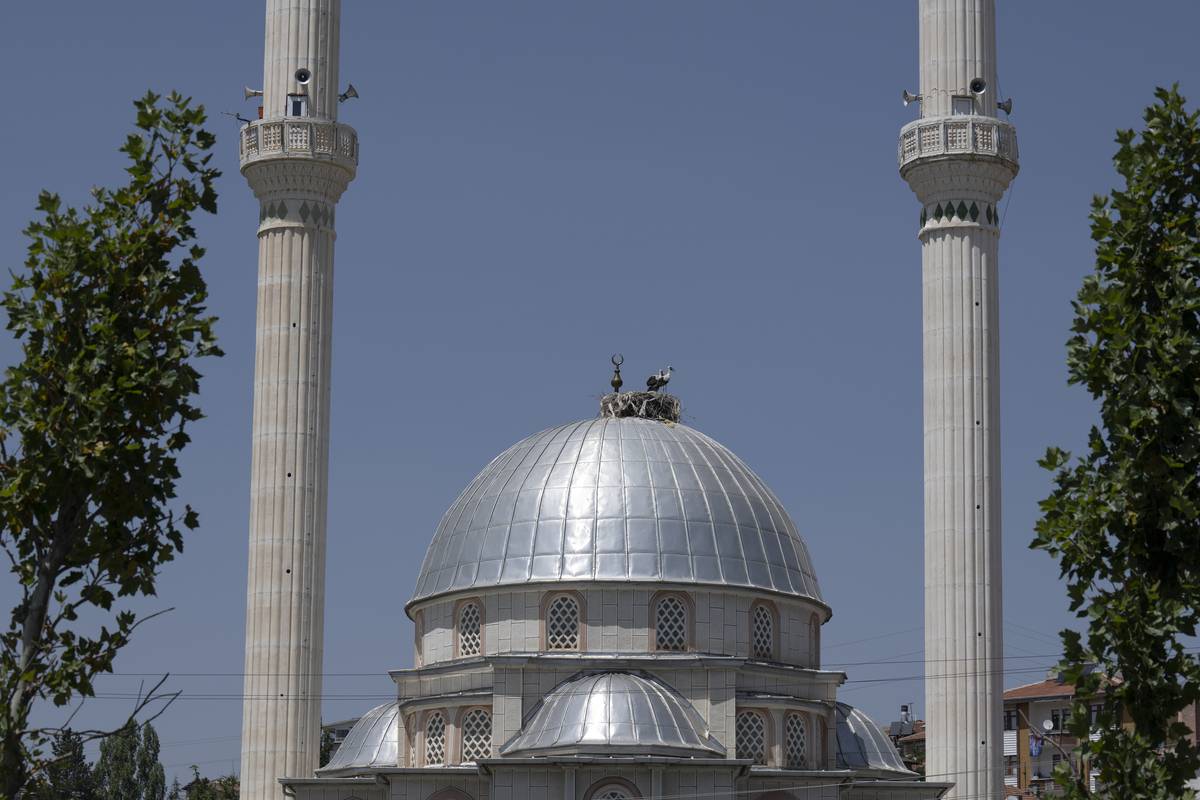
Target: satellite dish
1047, 725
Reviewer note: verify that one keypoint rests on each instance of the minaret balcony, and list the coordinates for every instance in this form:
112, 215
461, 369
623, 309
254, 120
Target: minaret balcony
323, 140
960, 135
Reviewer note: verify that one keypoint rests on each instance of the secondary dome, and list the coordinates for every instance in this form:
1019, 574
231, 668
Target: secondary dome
373, 742
863, 746
617, 499
614, 712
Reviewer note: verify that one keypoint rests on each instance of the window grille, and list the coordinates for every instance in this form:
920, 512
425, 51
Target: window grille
562, 624
670, 624
796, 739
476, 735
763, 632
752, 737
612, 794
435, 740
469, 620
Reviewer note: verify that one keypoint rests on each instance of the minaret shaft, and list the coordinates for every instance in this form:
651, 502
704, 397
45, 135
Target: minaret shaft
959, 159
298, 160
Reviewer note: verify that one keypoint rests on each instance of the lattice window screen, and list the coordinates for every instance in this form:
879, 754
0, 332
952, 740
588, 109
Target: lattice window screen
612, 794
562, 624
670, 624
752, 737
435, 740
795, 736
476, 735
469, 620
763, 633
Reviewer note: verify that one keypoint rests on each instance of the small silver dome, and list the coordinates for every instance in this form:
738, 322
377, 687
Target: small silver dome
617, 499
863, 746
614, 712
372, 742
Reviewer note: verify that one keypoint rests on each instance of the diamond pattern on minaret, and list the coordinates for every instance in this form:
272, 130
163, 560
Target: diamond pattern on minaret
959, 158
297, 188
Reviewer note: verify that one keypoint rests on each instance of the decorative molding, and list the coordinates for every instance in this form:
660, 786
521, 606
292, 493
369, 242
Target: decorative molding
957, 136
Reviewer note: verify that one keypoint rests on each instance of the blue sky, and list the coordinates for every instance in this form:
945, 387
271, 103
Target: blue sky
701, 183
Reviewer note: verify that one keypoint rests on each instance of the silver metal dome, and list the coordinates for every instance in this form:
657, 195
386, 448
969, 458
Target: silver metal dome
617, 499
614, 712
863, 746
372, 742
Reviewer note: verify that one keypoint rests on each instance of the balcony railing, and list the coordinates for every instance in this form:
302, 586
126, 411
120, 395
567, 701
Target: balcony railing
306, 138
970, 135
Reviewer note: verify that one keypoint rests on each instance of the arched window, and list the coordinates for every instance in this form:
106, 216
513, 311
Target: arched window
476, 735
762, 631
562, 623
671, 623
751, 734
795, 740
814, 641
470, 629
612, 789
419, 638
435, 739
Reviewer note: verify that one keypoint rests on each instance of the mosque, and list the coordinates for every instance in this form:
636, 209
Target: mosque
618, 607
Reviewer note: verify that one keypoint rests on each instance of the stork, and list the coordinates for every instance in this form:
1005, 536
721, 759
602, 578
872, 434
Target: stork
659, 379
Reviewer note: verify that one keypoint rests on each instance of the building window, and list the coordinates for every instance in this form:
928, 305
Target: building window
814, 641
612, 789
1094, 711
435, 739
795, 737
670, 623
751, 732
562, 623
476, 735
1059, 718
470, 622
419, 638
762, 632
297, 105
1010, 719
960, 104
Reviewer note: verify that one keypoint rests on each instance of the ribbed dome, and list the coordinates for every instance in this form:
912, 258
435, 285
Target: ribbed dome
372, 742
617, 499
863, 746
614, 712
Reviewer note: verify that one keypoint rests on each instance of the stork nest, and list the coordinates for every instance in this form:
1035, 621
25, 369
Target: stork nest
647, 405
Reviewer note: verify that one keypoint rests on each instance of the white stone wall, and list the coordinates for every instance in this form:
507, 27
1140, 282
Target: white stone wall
617, 620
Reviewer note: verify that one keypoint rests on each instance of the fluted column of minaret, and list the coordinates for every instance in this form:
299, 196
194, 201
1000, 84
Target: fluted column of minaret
298, 166
959, 159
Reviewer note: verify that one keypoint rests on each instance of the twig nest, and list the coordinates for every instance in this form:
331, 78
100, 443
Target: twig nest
647, 405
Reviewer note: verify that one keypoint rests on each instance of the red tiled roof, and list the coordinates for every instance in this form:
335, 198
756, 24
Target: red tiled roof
1033, 691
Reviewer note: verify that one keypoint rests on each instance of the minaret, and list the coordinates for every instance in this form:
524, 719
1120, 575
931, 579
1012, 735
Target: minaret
959, 158
298, 160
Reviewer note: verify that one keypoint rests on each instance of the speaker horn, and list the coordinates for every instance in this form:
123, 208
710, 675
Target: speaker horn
253, 93
346, 95
909, 97
1005, 106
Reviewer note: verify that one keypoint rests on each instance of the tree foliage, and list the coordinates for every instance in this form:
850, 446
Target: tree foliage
68, 776
1124, 518
109, 311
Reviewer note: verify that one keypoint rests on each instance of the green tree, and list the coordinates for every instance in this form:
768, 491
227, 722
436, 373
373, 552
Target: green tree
176, 792
223, 788
327, 747
68, 774
1124, 518
151, 778
117, 766
109, 311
